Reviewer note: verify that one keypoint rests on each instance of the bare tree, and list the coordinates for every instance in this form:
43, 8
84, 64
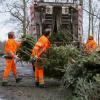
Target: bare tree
90, 6
81, 2
99, 33
18, 11
98, 27
93, 16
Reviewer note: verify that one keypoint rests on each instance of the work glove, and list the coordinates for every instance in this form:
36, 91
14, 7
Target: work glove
16, 58
3, 56
7, 57
33, 59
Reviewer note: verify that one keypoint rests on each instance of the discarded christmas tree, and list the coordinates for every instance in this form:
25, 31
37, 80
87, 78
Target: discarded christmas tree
71, 65
25, 50
58, 58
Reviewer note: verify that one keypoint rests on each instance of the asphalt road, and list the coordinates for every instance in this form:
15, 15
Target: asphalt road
25, 90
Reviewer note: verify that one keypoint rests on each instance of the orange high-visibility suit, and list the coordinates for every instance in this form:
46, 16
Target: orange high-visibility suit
40, 47
10, 49
90, 46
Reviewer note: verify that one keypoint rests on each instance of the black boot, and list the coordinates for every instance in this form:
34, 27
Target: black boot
42, 86
36, 84
18, 79
4, 83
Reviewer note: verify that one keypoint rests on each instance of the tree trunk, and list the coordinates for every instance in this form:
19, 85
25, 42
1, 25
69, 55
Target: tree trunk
24, 17
81, 2
99, 33
89, 18
92, 19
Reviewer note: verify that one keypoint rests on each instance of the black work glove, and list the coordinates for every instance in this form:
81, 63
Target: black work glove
33, 59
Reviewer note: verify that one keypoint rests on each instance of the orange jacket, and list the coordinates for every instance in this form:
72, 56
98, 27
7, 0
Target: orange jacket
11, 46
41, 46
90, 46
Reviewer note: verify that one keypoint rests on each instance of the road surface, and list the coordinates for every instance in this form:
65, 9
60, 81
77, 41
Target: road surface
25, 90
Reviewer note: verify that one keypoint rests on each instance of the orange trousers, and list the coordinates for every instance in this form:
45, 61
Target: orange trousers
10, 65
39, 74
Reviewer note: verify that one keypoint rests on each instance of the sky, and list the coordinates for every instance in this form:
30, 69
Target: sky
6, 27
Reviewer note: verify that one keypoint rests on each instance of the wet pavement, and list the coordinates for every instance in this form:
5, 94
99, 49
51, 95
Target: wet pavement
22, 68
25, 90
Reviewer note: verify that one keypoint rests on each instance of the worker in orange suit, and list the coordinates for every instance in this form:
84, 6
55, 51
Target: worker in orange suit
40, 48
90, 45
10, 50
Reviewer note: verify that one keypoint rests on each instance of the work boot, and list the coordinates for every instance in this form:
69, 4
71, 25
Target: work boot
36, 84
4, 83
18, 79
42, 86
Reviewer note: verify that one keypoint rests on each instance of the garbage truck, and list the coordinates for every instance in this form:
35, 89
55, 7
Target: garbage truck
61, 16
